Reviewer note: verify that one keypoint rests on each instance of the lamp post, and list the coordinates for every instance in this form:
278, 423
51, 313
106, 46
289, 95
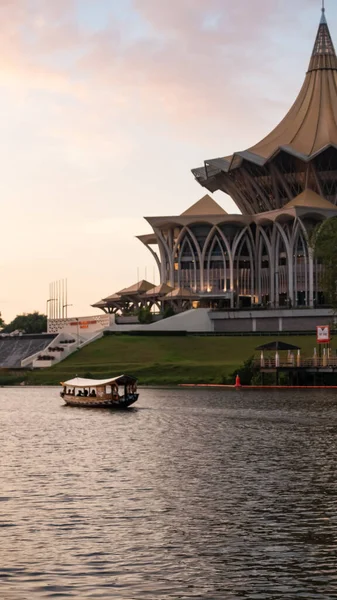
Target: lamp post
78, 333
66, 306
47, 303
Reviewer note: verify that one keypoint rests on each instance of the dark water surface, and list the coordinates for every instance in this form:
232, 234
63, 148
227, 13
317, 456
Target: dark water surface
193, 494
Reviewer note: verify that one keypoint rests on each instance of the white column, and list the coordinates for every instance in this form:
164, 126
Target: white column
311, 278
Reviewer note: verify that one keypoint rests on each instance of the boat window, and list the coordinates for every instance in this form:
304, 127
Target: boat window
108, 389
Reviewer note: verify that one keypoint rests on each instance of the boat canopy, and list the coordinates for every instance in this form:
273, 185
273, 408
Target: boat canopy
79, 382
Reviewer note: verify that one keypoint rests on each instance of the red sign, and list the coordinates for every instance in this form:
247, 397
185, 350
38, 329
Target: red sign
82, 323
323, 334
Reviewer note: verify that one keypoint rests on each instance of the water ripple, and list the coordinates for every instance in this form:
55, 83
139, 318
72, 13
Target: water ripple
193, 494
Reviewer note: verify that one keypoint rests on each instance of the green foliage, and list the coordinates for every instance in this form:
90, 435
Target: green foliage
2, 322
164, 360
168, 312
144, 315
323, 241
246, 372
28, 323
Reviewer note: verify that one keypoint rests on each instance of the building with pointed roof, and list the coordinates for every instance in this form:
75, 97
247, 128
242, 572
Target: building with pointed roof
300, 153
283, 186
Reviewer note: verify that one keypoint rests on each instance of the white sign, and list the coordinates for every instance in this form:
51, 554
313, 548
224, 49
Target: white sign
323, 334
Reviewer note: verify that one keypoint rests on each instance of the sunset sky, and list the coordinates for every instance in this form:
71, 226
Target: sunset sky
105, 107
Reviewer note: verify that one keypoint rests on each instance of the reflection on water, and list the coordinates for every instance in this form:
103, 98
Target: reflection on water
193, 494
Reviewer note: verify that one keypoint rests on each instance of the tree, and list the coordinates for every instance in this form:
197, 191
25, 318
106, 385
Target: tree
323, 241
28, 323
2, 322
144, 315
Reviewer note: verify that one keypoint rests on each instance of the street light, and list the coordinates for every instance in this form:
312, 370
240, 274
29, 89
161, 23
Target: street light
47, 302
78, 332
66, 306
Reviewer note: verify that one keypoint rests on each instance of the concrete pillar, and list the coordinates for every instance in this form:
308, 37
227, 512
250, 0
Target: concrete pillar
280, 324
311, 279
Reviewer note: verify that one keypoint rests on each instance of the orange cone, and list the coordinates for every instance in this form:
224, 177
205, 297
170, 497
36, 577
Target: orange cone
237, 381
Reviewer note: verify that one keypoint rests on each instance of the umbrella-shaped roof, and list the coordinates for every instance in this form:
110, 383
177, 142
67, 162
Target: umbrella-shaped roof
141, 287
181, 293
99, 304
113, 298
159, 290
278, 346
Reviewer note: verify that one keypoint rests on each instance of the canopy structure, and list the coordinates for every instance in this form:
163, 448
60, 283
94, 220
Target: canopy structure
277, 346
79, 382
300, 153
181, 293
160, 290
141, 287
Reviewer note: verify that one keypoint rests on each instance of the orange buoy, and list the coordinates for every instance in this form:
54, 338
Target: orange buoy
237, 382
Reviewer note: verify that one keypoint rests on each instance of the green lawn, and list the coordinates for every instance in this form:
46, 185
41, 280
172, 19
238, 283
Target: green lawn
162, 360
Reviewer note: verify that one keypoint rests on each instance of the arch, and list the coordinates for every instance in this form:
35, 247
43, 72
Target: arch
216, 241
283, 276
301, 269
238, 245
166, 257
216, 230
268, 288
186, 242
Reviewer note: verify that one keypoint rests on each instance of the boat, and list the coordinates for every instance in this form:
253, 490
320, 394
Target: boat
117, 392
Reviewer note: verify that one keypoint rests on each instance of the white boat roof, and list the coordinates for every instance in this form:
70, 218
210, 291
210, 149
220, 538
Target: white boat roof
82, 382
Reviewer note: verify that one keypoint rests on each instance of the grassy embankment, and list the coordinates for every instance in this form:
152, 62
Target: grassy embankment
161, 360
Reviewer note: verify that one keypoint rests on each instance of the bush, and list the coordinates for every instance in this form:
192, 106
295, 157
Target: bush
246, 373
144, 316
168, 312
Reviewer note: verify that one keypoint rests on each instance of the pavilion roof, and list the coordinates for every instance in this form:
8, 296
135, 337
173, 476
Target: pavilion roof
205, 206
113, 298
159, 290
309, 198
141, 287
181, 293
278, 345
99, 304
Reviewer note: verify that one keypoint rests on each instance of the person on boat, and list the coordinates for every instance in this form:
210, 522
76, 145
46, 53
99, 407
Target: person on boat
85, 392
79, 393
93, 393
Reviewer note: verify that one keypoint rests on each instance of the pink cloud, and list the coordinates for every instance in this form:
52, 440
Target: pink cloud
193, 67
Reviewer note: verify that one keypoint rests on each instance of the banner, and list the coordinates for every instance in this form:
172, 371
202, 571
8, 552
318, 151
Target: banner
323, 334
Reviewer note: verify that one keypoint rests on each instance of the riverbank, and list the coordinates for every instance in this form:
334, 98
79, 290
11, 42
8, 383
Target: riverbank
157, 360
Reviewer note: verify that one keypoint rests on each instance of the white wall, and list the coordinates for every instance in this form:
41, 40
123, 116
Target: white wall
80, 328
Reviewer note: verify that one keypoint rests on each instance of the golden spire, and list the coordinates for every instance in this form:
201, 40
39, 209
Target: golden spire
323, 54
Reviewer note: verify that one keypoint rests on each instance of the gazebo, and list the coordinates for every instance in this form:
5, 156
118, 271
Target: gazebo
181, 299
277, 347
155, 295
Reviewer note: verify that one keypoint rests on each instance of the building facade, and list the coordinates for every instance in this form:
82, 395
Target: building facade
284, 186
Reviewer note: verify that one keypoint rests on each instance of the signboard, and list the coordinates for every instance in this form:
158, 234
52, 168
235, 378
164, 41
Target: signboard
323, 334
83, 324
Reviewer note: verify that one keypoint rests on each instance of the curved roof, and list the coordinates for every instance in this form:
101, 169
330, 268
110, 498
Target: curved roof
81, 382
311, 123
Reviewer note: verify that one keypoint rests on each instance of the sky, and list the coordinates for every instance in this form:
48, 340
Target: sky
107, 105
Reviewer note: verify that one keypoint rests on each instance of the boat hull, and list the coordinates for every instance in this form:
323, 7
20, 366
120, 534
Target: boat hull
93, 402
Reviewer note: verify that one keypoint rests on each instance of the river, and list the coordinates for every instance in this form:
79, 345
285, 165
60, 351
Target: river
192, 494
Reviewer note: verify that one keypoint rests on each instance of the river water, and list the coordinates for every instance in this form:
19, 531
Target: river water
193, 494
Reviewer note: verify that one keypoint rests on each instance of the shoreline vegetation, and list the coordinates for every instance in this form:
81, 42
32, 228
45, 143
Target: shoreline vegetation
160, 360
